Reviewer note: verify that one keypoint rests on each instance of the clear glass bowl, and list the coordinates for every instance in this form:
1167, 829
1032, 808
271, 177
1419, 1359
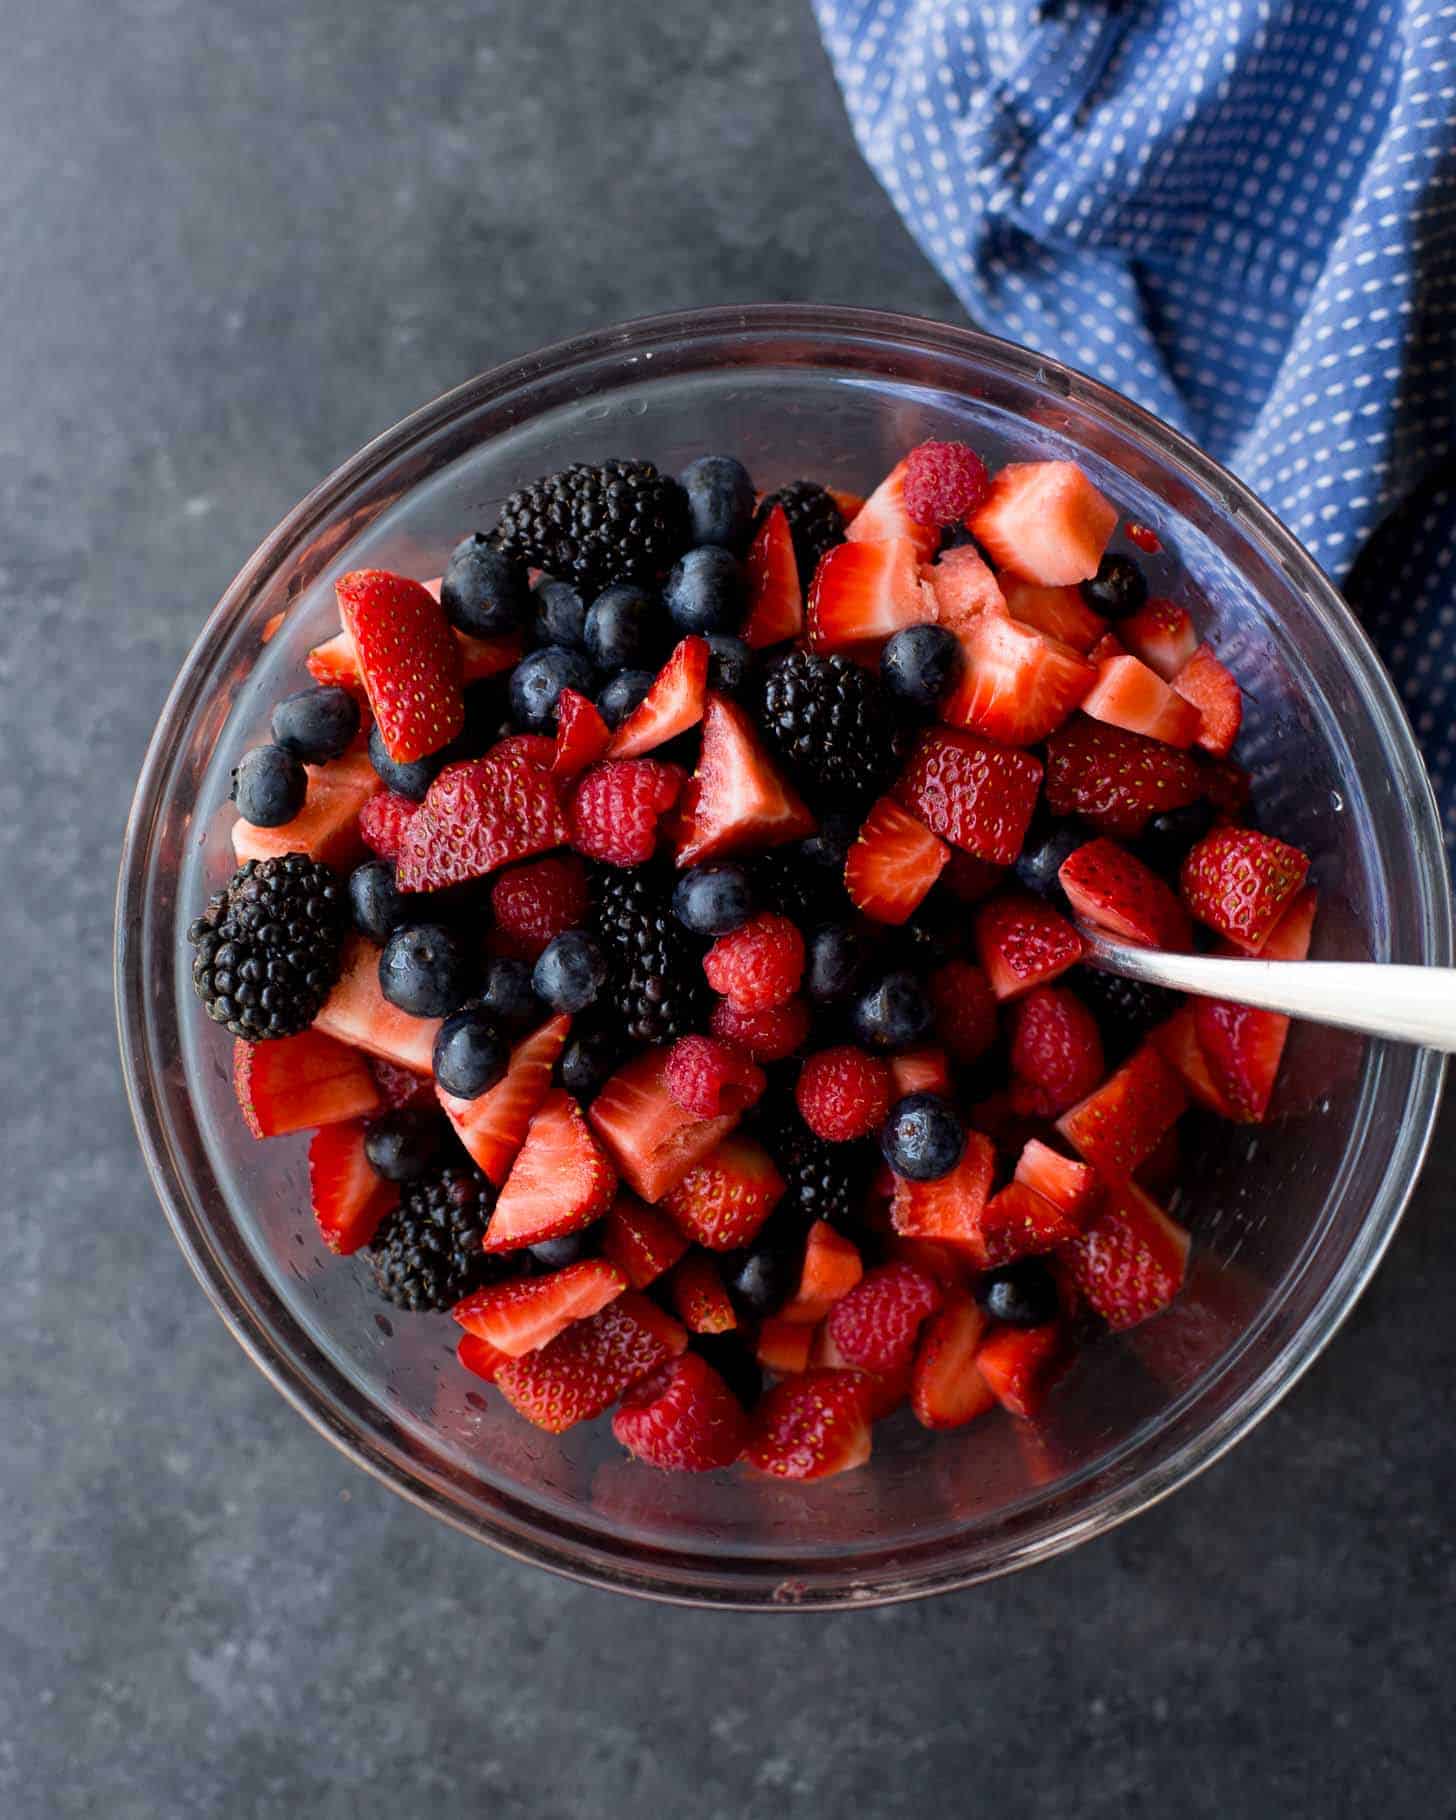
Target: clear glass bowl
1289, 1219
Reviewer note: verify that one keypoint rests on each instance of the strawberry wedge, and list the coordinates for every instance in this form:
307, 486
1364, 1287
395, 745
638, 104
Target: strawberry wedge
672, 705
1128, 694
964, 588
775, 591
893, 863
517, 1318
884, 518
1046, 521
864, 591
493, 1127
327, 826
649, 1137
560, 1181
294, 1083
1059, 613
408, 658
1121, 1124
1015, 685
1243, 1047
348, 1198
737, 799
1129, 1263
357, 1012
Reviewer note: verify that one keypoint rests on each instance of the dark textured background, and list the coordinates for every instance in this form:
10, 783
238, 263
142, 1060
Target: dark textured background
236, 240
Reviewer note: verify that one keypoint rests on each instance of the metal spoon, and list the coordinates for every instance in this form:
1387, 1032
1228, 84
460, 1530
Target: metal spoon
1406, 1004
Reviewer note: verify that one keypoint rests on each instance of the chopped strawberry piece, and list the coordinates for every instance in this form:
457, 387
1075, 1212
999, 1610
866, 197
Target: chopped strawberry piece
683, 1418
294, 1083
1120, 1124
401, 1088
963, 589
383, 820
1128, 694
977, 795
1161, 634
1045, 520
893, 863
493, 1127
876, 1324
349, 1199
336, 663
1239, 882
409, 659
775, 591
885, 517
1130, 1261
643, 1243
1059, 613
952, 1265
1115, 779
1022, 943
1227, 786
812, 1425
865, 591
560, 1181
1243, 1047
479, 815
920, 1071
850, 504
357, 1012
768, 1036
1018, 1222
536, 902
326, 828
1161, 1172
698, 1295
1015, 686
484, 657
584, 1370
1018, 1365
722, 1201
479, 1357
1109, 645
946, 1388
843, 1094
1177, 1042
1056, 1051
520, 1316
1112, 888
950, 1208
783, 1346
616, 808
582, 736
707, 1078
737, 799
672, 705
652, 1141
966, 1018
1211, 688
759, 964
538, 749
1067, 1184
831, 1268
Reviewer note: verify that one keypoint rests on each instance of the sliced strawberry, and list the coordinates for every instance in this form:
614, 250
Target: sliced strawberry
683, 1418
970, 879
1059, 613
875, 1326
560, 1181
1015, 686
893, 863
336, 661
946, 1389
952, 1265
672, 705
294, 1083
401, 1088
479, 815
831, 1268
650, 1138
1017, 1222
479, 1357
850, 504
919, 1071
1069, 1185
775, 590
357, 1012
1243, 1047
484, 657
1128, 694
1109, 645
1130, 1261
1056, 1051
1211, 688
783, 1346
1022, 942
966, 1018
1045, 520
1239, 882
1018, 1365
884, 517
1177, 1042
1112, 888
519, 1316
349, 1199
1114, 779
409, 659
383, 819
722, 1201
1163, 1169
584, 1370
326, 828
582, 736
698, 1295
493, 1127
950, 1208
964, 588
1161, 634
643, 1243
865, 591
1227, 786
737, 799
1120, 1124
977, 795
812, 1425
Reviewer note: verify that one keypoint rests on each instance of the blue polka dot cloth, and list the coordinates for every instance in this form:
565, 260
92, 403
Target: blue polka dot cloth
1241, 213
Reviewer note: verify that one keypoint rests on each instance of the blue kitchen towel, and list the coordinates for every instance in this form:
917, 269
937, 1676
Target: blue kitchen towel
1241, 213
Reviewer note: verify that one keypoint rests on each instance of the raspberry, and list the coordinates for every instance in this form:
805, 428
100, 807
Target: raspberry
768, 1036
843, 1093
758, 965
710, 1078
944, 483
383, 820
535, 902
965, 1010
875, 1325
615, 808
1056, 1052
683, 1418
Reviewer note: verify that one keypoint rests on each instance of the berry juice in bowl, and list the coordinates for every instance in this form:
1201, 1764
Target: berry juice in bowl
677, 964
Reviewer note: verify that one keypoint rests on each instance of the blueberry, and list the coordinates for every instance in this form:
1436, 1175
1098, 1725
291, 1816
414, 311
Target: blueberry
411, 780
1048, 845
570, 973
487, 719
1168, 836
829, 846
920, 664
706, 591
893, 1014
622, 629
540, 677
1020, 1295
471, 1053
507, 995
734, 1363
377, 903
484, 591
730, 663
1117, 589
762, 1276
587, 1062
720, 501
269, 786
402, 1145
422, 970
622, 694
711, 900
835, 959
922, 1139
560, 614
556, 1254
316, 724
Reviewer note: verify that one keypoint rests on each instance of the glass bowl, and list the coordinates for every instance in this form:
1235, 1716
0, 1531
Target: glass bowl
1289, 1219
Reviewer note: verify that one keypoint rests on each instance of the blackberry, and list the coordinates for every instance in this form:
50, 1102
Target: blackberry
268, 946
816, 524
655, 991
784, 880
427, 1254
618, 521
822, 1181
833, 725
1125, 1009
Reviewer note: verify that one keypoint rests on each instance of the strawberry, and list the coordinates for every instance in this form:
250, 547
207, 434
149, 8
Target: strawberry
783, 1346
1017, 1222
1108, 886
1114, 779
540, 900
1070, 1186
951, 1265
768, 1036
885, 517
617, 805
886, 1391
493, 1127
920, 1071
707, 1078
538, 749
1243, 1047
1045, 520
582, 736
643, 1243
1130, 1261
944, 482
1163, 1169
383, 819
977, 795
965, 1010
479, 1356
649, 1137
327, 826
1015, 686
1240, 882
843, 1094
1211, 689
479, 815
830, 1270
584, 1370
672, 705
1056, 1051
357, 1012
1161, 634
336, 661
400, 1088
698, 1295
294, 1083
893, 863
1120, 1124
522, 1315
946, 1389
876, 1324
1109, 645
560, 1181
737, 798
950, 1208
963, 588
864, 591
850, 504
722, 1201
683, 1418
812, 1426
409, 659
1057, 613
775, 590
1128, 694
1022, 942
759, 964
349, 1199
1018, 1364
1177, 1042
1227, 786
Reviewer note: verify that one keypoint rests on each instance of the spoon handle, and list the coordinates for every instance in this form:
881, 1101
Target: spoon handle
1407, 1004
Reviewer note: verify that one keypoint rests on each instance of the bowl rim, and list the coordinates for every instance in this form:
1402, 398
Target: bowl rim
522, 1530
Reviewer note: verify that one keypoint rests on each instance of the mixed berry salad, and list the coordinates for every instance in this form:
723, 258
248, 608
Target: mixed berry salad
666, 926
